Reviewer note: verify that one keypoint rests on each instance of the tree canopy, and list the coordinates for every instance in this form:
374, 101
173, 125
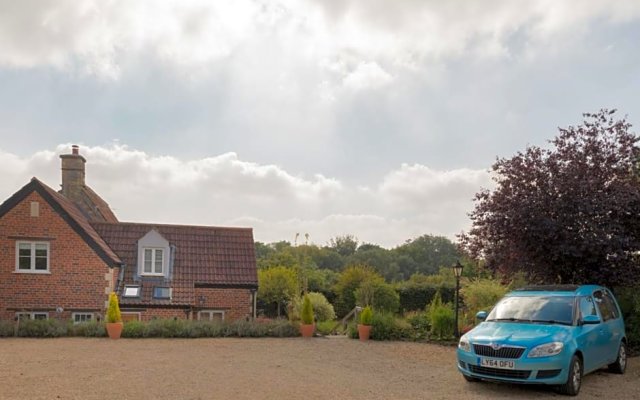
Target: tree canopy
565, 214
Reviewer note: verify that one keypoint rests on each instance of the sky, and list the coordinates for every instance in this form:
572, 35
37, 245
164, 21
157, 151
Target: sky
375, 118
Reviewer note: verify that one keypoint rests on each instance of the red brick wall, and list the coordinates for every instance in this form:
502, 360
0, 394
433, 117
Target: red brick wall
77, 275
237, 303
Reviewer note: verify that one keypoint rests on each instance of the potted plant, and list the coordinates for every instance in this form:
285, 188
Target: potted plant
307, 327
114, 319
364, 327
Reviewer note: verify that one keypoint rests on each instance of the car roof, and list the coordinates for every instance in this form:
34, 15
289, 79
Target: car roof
555, 290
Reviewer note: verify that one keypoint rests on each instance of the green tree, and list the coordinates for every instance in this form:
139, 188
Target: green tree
380, 295
344, 245
277, 285
350, 279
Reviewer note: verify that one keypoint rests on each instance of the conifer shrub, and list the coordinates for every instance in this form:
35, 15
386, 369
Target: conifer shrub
113, 312
306, 315
366, 317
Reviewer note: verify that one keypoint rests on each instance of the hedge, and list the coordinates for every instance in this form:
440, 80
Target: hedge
166, 328
416, 297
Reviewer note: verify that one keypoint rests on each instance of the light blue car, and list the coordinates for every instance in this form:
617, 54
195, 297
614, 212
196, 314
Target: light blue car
550, 335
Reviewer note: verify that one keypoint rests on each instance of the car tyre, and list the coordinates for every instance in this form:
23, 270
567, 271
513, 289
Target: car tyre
574, 380
470, 378
620, 365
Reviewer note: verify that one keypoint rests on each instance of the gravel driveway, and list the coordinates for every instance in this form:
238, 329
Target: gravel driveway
319, 368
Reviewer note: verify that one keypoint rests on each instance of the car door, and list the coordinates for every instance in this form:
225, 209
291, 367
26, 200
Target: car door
607, 336
616, 325
589, 335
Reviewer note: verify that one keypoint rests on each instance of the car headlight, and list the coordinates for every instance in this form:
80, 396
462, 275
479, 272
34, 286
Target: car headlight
546, 350
463, 344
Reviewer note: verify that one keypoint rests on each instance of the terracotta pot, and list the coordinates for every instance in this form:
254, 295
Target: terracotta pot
364, 331
307, 330
114, 329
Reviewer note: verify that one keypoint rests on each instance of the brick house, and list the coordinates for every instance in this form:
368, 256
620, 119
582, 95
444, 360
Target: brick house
62, 253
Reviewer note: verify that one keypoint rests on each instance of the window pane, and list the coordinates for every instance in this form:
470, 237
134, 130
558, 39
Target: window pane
131, 291
41, 246
41, 263
161, 292
158, 261
147, 260
24, 262
39, 316
587, 307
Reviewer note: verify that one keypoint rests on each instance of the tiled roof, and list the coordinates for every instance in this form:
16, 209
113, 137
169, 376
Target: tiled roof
69, 212
203, 256
102, 211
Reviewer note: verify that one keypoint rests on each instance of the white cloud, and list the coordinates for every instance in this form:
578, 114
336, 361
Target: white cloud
225, 190
99, 37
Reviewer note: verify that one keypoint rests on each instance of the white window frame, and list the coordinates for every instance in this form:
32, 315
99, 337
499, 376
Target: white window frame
154, 250
82, 314
138, 315
139, 291
210, 314
32, 269
32, 314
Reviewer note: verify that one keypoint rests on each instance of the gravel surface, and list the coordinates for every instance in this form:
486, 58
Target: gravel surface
319, 368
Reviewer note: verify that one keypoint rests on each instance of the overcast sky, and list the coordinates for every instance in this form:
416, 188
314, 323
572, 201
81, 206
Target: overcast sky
378, 118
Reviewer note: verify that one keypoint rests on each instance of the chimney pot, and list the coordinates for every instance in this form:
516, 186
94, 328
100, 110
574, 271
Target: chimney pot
75, 149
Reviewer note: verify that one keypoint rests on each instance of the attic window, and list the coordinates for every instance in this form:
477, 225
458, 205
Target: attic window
161, 292
131, 291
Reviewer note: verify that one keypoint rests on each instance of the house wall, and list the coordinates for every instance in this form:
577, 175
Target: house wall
78, 280
237, 303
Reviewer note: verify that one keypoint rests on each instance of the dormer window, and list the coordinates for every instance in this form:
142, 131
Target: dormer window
153, 255
153, 261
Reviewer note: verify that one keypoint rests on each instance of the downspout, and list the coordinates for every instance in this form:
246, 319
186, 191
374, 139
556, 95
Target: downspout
254, 295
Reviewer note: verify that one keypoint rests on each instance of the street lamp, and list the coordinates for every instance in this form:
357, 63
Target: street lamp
457, 271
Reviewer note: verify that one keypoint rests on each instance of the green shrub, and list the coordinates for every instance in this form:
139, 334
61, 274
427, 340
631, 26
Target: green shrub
87, 329
325, 327
629, 302
441, 318
415, 296
134, 329
366, 318
306, 315
208, 329
322, 309
6, 328
480, 295
281, 328
381, 295
420, 324
348, 282
385, 326
113, 311
166, 328
42, 328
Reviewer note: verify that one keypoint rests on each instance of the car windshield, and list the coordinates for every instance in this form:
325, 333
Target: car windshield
538, 309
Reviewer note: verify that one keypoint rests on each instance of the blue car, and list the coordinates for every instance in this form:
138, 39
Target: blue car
550, 335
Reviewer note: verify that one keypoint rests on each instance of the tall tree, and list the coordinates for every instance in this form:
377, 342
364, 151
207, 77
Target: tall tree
566, 214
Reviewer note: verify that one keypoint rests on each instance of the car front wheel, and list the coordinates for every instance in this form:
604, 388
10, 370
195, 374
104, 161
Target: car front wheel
574, 380
620, 365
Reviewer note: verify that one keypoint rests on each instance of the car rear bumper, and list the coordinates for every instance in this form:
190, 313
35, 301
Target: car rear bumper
540, 371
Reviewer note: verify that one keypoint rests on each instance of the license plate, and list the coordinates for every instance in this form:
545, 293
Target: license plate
502, 364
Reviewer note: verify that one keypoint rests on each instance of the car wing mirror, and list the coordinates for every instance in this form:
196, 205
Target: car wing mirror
590, 320
481, 315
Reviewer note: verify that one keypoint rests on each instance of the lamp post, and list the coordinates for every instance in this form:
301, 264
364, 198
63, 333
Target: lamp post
457, 271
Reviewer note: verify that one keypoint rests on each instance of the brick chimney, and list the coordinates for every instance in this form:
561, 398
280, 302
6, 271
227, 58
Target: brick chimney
73, 174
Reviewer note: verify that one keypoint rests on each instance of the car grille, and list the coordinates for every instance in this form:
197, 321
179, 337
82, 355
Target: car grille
462, 364
548, 373
503, 352
500, 373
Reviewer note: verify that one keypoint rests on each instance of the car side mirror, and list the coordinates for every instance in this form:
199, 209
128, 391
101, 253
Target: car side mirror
481, 315
590, 320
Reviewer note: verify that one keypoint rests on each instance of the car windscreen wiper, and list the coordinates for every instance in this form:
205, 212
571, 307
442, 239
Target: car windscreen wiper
551, 321
509, 320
